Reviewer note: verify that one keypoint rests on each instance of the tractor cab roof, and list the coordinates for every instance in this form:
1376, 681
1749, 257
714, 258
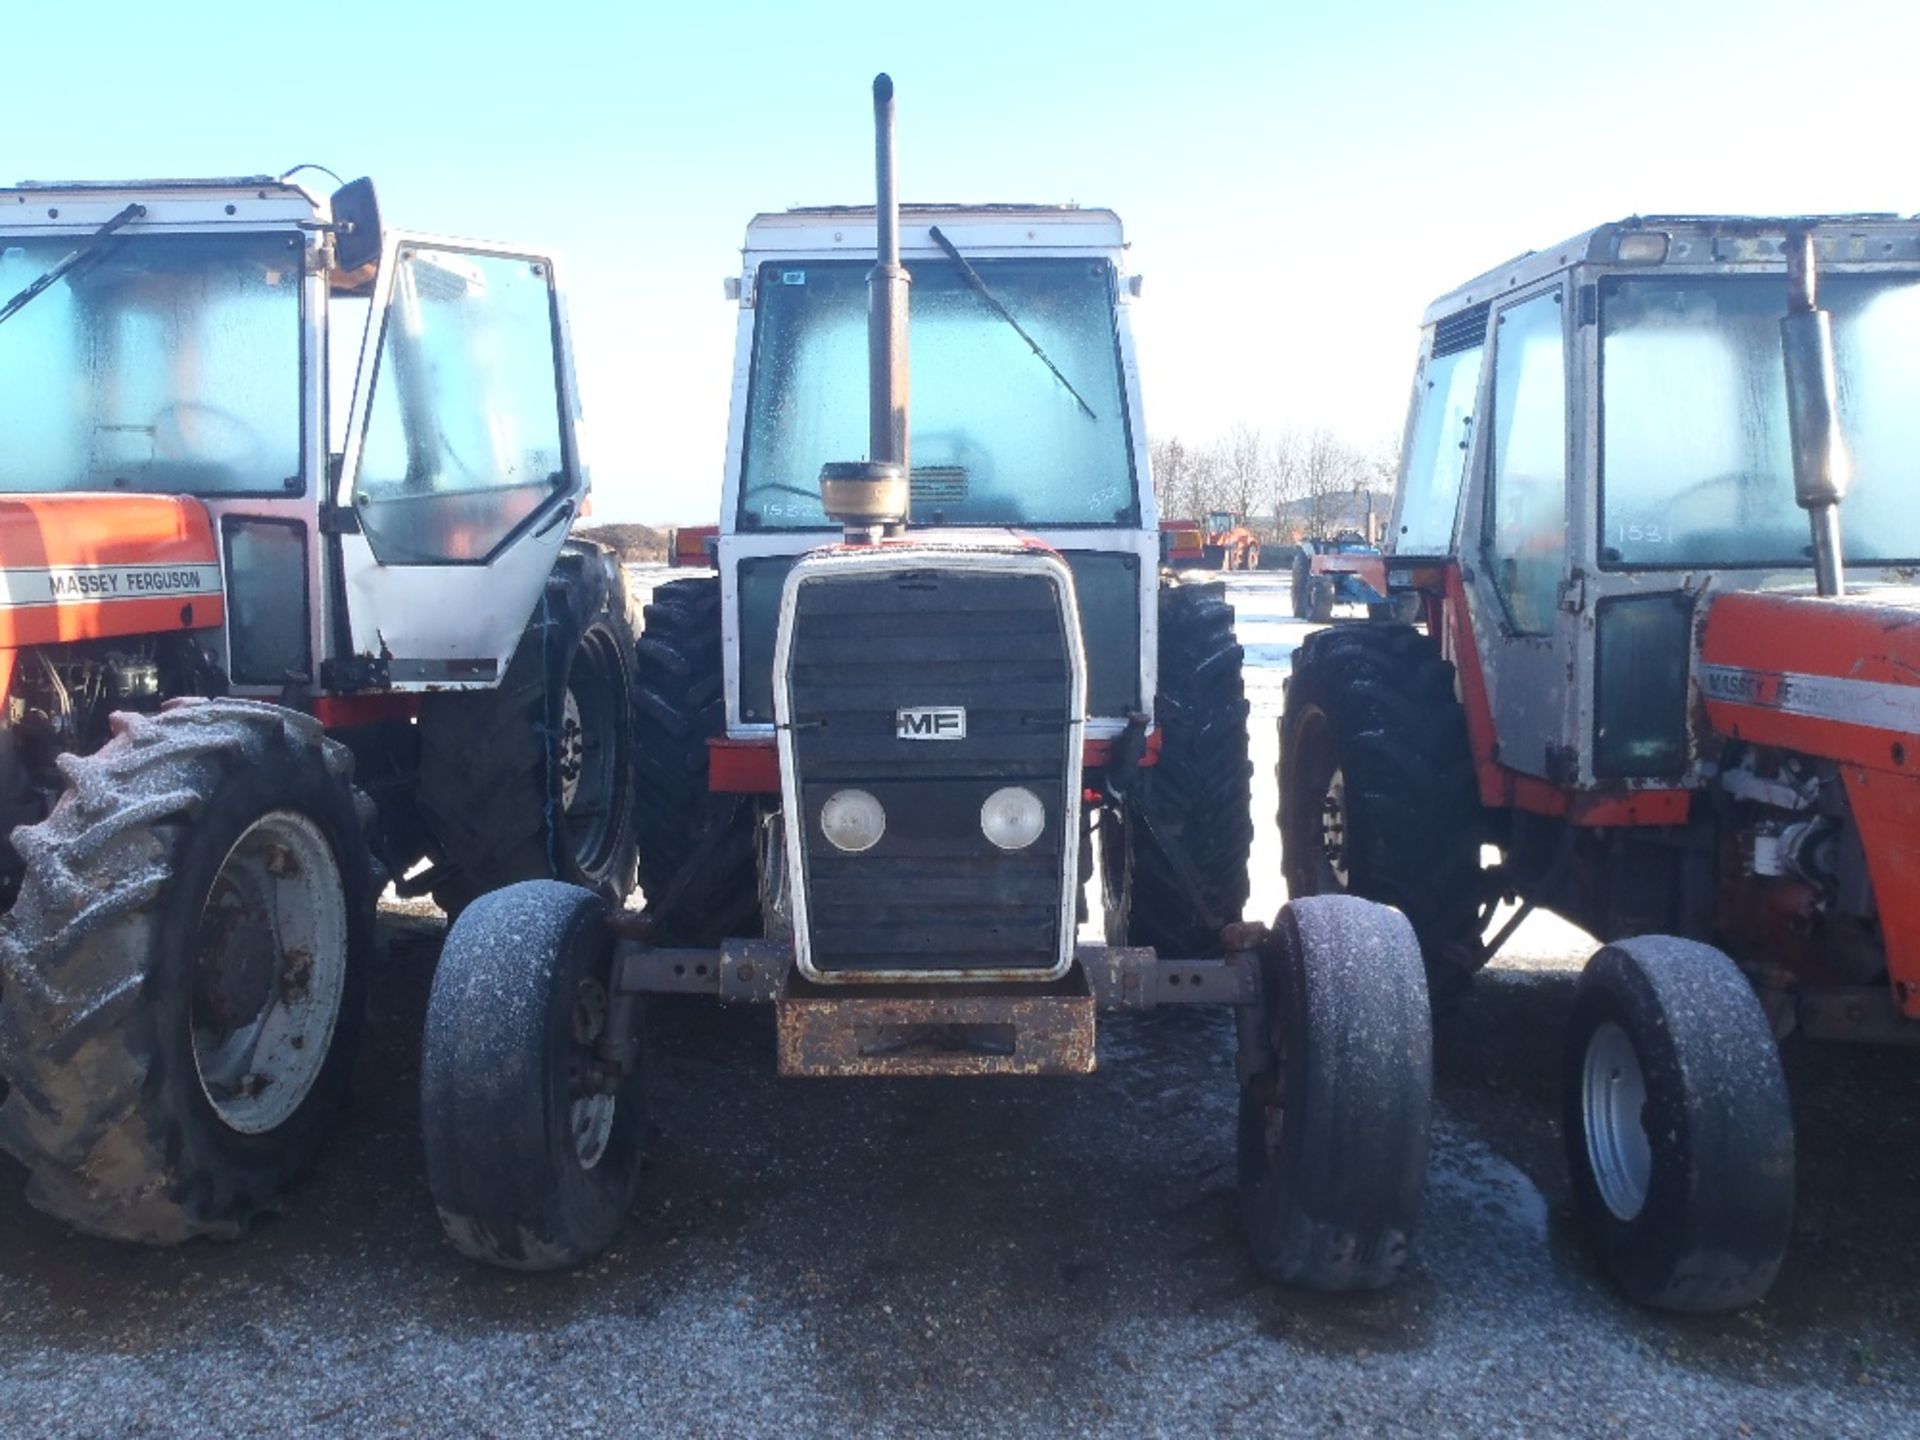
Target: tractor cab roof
1714, 242
1002, 229
238, 200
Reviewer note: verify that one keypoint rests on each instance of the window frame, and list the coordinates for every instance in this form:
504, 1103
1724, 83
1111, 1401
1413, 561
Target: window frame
1136, 481
1489, 441
561, 494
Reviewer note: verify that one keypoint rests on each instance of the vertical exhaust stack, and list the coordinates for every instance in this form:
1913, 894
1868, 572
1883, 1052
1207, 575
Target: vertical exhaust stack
1821, 468
870, 497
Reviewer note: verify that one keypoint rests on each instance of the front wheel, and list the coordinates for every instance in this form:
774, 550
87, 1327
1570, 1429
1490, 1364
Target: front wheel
1679, 1133
532, 1160
1336, 1114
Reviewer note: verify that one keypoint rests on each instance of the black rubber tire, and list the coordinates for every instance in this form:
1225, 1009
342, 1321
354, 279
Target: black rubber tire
104, 1103
1376, 705
1718, 1207
497, 1079
1191, 810
698, 850
1320, 600
1302, 576
491, 783
1331, 1176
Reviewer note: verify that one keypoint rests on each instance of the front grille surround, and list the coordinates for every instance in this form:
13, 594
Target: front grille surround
947, 768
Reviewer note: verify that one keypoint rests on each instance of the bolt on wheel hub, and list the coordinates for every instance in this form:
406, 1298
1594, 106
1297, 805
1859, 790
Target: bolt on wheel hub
1613, 1102
269, 972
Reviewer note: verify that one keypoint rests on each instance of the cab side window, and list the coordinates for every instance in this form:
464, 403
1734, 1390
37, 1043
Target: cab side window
1527, 499
1442, 435
463, 439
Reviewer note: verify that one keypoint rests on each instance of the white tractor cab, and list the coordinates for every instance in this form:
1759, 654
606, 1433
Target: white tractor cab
261, 454
878, 748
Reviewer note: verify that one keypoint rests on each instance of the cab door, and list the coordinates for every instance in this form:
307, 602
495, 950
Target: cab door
460, 471
1523, 620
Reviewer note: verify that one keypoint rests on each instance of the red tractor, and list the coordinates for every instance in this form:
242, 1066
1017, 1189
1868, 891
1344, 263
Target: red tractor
1679, 716
287, 608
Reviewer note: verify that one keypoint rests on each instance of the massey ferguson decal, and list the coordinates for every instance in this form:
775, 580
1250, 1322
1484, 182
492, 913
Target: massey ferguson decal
1871, 703
76, 585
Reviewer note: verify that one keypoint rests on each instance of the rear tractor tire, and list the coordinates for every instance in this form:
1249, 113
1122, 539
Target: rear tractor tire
1377, 790
182, 974
533, 1165
699, 852
534, 778
1174, 858
1334, 1125
1678, 1128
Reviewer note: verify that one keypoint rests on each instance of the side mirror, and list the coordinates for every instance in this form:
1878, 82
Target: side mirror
356, 220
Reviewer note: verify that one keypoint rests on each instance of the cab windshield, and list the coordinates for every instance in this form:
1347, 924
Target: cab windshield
1695, 460
169, 363
996, 439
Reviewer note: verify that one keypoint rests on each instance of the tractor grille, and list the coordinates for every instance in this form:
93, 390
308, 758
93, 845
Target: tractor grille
934, 894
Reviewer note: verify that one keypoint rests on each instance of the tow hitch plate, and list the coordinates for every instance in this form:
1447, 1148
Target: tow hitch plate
938, 1030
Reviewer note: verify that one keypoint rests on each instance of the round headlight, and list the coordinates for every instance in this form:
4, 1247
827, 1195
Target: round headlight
852, 820
1013, 818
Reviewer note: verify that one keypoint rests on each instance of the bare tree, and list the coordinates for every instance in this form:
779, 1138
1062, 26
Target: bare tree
1331, 469
1285, 483
1298, 484
1242, 471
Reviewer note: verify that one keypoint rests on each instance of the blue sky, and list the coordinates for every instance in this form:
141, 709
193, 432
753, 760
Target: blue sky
1298, 181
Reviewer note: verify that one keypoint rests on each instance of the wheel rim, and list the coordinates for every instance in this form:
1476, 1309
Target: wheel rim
1318, 832
589, 753
1333, 827
589, 1109
269, 972
1613, 1101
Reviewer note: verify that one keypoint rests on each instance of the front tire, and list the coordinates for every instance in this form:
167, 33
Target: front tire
1174, 859
1333, 1134
1678, 1127
531, 1165
184, 971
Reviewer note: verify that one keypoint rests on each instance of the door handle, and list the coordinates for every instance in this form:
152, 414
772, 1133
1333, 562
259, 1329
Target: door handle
559, 516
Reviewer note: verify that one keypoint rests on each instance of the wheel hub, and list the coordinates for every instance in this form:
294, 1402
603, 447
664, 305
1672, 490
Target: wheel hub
269, 972
590, 1111
573, 749
1333, 827
1613, 1102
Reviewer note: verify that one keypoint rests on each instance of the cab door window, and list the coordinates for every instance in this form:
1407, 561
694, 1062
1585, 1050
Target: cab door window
463, 438
1527, 519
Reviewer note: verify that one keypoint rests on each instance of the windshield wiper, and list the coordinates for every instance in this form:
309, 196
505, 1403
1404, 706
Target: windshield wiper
90, 249
972, 277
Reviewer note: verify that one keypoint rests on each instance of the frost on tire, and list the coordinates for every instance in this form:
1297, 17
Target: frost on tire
191, 932
532, 1160
1678, 1127
1336, 1104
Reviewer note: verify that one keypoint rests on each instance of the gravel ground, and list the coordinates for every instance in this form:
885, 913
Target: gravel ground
1056, 1257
